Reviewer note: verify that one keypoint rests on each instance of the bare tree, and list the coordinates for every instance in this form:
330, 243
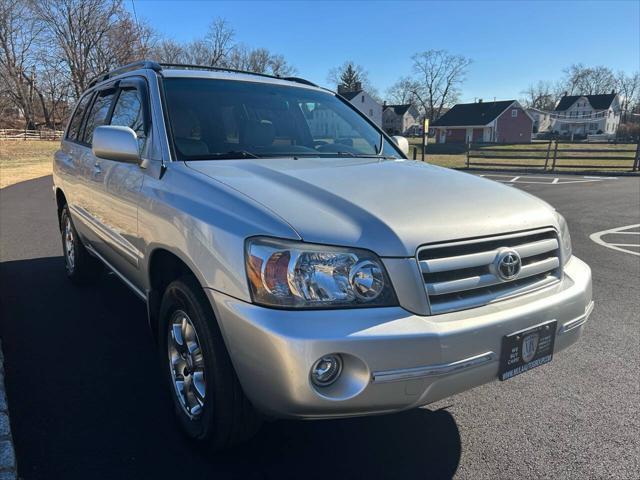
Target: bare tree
259, 60
628, 86
402, 92
79, 30
219, 40
279, 66
169, 51
438, 77
54, 88
19, 33
581, 80
540, 95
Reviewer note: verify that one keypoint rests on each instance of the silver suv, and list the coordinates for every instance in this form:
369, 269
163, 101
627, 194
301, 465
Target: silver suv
293, 261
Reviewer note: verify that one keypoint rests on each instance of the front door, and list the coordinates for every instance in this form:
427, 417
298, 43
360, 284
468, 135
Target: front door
122, 184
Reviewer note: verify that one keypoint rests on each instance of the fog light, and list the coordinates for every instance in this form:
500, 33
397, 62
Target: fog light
326, 370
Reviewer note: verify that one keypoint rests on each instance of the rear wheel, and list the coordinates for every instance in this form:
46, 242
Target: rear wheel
207, 396
80, 266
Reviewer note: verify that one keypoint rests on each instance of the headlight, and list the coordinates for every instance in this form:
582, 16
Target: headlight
565, 239
295, 274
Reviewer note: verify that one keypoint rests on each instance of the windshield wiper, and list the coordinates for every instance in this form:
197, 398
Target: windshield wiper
362, 155
230, 155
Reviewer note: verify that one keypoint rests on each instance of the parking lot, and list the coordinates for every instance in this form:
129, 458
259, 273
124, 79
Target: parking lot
86, 399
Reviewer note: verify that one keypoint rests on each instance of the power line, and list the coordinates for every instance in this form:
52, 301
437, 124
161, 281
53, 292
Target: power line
135, 15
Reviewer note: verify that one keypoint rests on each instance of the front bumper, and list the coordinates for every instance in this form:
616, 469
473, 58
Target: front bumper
392, 359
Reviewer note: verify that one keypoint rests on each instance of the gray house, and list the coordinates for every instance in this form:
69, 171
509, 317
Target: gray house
400, 119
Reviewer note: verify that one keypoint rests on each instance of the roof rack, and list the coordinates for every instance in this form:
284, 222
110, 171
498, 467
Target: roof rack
125, 68
158, 67
184, 66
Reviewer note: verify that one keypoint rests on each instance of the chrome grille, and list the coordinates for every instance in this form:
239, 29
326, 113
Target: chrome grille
460, 275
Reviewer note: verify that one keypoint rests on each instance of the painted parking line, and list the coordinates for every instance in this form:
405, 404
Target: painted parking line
614, 242
543, 179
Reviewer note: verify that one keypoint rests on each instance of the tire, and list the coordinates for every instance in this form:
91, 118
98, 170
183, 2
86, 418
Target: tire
208, 399
81, 267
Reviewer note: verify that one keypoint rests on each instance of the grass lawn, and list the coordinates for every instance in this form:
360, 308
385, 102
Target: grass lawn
23, 160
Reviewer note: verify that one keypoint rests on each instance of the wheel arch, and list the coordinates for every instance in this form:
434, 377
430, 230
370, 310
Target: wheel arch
163, 267
61, 201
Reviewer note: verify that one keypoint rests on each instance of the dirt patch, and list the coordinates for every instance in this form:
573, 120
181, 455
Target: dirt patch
24, 160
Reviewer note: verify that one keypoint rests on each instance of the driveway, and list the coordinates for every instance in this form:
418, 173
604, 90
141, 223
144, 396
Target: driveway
86, 399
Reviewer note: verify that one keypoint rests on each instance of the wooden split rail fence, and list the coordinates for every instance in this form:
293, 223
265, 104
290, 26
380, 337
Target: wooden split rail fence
18, 134
554, 156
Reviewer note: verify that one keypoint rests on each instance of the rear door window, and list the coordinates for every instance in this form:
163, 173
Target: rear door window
74, 126
99, 114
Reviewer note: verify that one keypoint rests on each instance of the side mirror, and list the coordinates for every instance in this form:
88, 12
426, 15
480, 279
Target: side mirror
116, 143
402, 143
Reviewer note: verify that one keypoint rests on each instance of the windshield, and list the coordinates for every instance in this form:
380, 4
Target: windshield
212, 119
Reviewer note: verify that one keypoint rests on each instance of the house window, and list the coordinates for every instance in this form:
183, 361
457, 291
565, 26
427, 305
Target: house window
514, 113
593, 126
362, 98
371, 112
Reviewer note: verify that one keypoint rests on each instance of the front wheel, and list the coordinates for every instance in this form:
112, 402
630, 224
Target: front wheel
208, 400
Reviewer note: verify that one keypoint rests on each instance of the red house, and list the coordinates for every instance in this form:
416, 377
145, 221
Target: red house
485, 122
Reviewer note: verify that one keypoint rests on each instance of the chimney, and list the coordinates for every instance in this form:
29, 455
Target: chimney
342, 89
479, 100
384, 104
565, 94
358, 86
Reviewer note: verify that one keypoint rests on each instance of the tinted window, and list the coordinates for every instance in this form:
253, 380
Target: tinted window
218, 118
128, 111
74, 125
98, 114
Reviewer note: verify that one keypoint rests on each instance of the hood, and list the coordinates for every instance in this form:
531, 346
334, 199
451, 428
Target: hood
388, 206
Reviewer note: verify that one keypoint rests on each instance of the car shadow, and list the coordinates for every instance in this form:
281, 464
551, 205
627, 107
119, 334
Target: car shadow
415, 444
87, 401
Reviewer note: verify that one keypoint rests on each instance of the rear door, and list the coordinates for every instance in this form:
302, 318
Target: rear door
90, 199
69, 166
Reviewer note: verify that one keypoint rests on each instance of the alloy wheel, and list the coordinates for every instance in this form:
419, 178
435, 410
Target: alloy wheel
186, 363
69, 245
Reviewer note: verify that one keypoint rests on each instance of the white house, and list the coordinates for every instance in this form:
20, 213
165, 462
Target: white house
586, 114
363, 102
400, 119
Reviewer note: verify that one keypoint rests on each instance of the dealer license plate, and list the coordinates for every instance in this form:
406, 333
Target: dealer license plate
527, 349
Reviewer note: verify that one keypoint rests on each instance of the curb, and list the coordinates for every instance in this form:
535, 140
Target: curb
8, 467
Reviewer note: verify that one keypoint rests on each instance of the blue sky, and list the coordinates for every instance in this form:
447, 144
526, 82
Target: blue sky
512, 44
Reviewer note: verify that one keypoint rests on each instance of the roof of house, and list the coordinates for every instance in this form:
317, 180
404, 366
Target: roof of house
598, 102
479, 113
399, 109
351, 95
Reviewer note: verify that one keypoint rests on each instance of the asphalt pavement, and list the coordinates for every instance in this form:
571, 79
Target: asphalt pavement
86, 398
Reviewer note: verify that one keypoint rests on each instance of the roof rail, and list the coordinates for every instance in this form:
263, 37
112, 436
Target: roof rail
158, 67
299, 80
233, 70
125, 68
